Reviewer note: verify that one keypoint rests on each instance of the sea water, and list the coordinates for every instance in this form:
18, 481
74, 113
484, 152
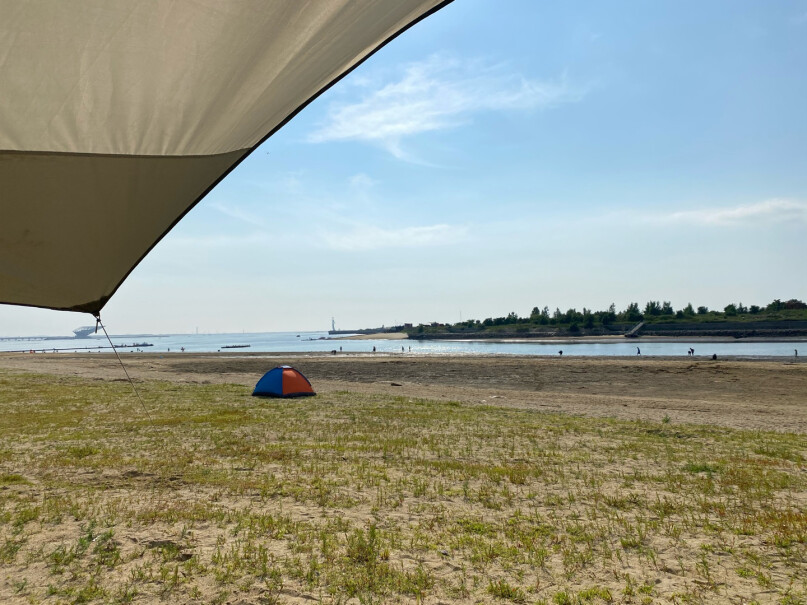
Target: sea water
318, 342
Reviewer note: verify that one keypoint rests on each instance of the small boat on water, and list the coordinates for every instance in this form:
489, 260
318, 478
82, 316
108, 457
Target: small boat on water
236, 346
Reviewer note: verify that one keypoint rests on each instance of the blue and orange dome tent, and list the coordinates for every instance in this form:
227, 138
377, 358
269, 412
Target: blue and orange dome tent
283, 381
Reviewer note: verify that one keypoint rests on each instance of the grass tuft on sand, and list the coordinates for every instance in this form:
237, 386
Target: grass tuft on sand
351, 497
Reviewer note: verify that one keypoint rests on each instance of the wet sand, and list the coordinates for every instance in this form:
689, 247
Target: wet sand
764, 394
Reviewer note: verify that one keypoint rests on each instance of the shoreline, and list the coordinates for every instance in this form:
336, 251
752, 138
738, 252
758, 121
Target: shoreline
411, 355
621, 338
378, 336
639, 339
573, 339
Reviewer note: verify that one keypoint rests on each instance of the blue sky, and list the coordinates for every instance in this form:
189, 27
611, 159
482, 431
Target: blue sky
500, 156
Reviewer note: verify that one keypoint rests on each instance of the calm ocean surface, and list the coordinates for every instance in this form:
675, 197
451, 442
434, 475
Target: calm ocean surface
302, 342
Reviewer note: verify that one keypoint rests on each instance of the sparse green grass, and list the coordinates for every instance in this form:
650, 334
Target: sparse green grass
224, 497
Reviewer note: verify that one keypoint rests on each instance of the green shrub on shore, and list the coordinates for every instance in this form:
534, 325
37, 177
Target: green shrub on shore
654, 312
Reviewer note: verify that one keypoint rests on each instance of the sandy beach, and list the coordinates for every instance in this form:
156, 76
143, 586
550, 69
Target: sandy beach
749, 394
407, 479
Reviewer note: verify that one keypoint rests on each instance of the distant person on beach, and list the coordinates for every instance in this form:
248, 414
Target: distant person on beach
638, 352
373, 349
714, 356
402, 350
560, 353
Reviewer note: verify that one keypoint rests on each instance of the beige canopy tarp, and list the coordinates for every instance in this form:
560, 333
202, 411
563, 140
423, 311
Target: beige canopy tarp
118, 116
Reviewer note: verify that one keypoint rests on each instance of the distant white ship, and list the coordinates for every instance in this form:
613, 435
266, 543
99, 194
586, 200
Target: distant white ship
84, 332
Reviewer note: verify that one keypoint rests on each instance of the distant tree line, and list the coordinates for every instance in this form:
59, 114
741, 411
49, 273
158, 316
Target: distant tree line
653, 311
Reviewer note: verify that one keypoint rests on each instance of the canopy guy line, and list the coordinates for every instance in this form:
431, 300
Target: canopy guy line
131, 382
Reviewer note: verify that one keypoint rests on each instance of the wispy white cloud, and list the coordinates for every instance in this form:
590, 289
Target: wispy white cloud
773, 210
238, 214
361, 182
203, 242
437, 94
370, 237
